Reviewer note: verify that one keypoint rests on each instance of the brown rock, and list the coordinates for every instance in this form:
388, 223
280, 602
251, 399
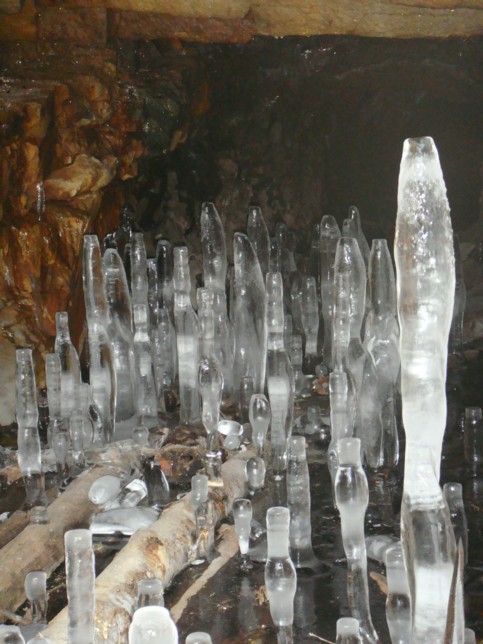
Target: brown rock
10, 6
95, 96
192, 8
81, 26
21, 26
150, 26
85, 174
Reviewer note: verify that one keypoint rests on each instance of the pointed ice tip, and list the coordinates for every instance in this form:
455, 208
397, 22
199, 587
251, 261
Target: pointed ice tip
329, 227
208, 209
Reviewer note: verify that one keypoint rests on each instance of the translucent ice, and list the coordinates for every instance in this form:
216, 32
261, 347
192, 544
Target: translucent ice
329, 235
164, 265
249, 317
186, 322
259, 415
105, 489
310, 321
257, 233
398, 605
425, 287
69, 361
53, 380
242, 515
213, 247
456, 333
355, 217
280, 575
150, 592
147, 404
36, 593
139, 271
348, 631
152, 624
80, 580
120, 331
298, 501
352, 497
453, 493
280, 381
123, 520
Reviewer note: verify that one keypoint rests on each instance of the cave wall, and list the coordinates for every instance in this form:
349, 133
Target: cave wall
74, 126
301, 126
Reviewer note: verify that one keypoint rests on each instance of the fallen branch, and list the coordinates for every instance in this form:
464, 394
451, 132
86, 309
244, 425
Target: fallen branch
162, 550
41, 547
227, 548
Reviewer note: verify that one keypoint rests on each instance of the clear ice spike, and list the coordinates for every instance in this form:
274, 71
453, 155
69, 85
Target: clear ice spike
242, 515
102, 373
257, 233
354, 215
187, 339
259, 416
456, 331
69, 361
120, 331
329, 235
352, 498
80, 582
54, 396
398, 604
425, 290
152, 624
310, 322
139, 271
249, 320
280, 379
298, 501
147, 403
280, 574
213, 248
453, 493
164, 267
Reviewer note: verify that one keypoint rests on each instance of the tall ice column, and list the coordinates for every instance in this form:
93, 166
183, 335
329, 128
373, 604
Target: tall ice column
425, 291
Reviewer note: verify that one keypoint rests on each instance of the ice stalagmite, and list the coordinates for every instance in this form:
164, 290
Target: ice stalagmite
249, 317
80, 582
214, 248
29, 455
164, 268
425, 291
139, 271
329, 235
186, 322
380, 440
280, 380
354, 216
69, 362
102, 373
258, 235
120, 333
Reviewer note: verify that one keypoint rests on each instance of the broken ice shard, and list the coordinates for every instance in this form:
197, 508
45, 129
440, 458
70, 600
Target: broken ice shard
249, 317
186, 322
352, 498
280, 575
80, 581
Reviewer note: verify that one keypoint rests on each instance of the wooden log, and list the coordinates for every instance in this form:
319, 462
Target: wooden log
162, 550
41, 547
17, 521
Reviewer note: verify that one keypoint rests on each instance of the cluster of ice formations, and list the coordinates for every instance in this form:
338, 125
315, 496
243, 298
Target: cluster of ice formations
254, 338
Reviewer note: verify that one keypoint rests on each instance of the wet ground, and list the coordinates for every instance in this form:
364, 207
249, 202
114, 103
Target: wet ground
233, 607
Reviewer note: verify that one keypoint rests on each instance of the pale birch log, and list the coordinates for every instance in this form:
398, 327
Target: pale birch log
162, 550
41, 547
